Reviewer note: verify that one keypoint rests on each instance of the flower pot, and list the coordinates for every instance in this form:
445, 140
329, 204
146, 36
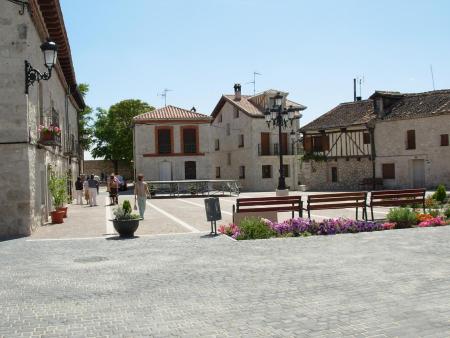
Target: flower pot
126, 227
64, 210
57, 216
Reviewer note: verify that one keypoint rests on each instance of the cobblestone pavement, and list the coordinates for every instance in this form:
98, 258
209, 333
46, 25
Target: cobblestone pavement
384, 284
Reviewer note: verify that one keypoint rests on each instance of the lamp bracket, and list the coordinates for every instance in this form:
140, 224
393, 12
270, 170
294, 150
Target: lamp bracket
21, 3
32, 75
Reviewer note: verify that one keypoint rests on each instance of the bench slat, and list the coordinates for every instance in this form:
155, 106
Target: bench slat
403, 196
339, 194
405, 191
397, 202
336, 199
244, 204
336, 206
274, 198
270, 209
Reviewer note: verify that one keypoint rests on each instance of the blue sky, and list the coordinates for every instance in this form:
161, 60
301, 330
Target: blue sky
312, 49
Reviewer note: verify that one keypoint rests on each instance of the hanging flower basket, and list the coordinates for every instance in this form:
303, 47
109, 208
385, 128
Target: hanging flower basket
50, 136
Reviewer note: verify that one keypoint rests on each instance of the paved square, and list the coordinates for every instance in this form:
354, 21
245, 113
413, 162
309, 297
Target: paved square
383, 284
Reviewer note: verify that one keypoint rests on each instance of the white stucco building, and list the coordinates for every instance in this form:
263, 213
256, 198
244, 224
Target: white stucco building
245, 148
172, 143
25, 159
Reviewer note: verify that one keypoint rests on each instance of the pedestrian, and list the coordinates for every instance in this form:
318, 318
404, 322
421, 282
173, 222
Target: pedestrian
140, 194
93, 186
86, 189
113, 190
79, 190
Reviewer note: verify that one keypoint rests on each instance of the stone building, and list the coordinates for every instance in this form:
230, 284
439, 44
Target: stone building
26, 158
244, 147
103, 168
398, 139
172, 143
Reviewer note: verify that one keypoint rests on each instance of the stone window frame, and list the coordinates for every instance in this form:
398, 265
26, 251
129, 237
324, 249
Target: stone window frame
444, 140
241, 141
410, 139
242, 171
217, 172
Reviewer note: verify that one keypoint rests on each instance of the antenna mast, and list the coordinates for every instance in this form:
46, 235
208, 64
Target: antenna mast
164, 95
254, 81
432, 76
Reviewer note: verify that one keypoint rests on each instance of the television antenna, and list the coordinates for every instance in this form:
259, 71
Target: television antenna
432, 76
164, 95
254, 81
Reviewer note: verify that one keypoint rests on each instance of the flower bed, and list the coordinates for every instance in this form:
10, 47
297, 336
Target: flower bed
255, 228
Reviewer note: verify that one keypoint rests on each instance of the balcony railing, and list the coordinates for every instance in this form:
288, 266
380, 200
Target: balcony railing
274, 151
190, 148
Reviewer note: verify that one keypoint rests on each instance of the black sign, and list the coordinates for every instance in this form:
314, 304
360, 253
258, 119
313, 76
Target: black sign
212, 208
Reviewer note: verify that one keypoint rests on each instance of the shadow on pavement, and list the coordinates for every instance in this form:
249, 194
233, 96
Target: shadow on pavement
11, 238
118, 238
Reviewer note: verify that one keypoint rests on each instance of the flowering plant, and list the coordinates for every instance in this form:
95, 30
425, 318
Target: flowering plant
436, 221
51, 129
424, 217
388, 226
231, 230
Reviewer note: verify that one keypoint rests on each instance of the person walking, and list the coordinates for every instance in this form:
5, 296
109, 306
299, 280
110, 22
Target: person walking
79, 190
86, 189
113, 190
93, 186
140, 194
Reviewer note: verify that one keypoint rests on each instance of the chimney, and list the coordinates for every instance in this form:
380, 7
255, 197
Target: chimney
354, 89
358, 98
193, 109
237, 91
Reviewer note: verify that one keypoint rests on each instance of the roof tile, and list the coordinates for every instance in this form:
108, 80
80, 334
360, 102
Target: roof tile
171, 113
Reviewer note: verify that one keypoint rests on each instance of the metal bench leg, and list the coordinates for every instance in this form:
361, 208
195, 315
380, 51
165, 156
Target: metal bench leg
371, 210
356, 213
309, 213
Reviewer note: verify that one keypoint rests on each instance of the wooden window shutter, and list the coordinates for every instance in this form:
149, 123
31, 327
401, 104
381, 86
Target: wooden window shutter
325, 142
444, 140
411, 139
307, 143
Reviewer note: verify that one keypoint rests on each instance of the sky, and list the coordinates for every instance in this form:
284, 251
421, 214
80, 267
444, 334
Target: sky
312, 49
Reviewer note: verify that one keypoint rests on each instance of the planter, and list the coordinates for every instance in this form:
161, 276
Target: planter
126, 228
64, 210
57, 216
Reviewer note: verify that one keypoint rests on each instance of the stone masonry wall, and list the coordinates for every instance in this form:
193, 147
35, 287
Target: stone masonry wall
97, 167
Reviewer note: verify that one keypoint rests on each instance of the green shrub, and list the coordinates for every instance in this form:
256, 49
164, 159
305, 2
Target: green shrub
57, 185
447, 212
404, 217
254, 228
126, 207
440, 195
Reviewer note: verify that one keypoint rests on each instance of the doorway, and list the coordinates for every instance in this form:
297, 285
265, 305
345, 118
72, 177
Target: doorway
190, 170
418, 173
165, 171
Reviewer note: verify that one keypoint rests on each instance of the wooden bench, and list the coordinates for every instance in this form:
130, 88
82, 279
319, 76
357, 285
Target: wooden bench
367, 183
262, 205
393, 198
338, 201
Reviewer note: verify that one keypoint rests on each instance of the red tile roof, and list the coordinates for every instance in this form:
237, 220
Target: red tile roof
171, 113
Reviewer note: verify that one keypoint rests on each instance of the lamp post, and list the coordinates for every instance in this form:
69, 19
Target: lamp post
50, 51
277, 116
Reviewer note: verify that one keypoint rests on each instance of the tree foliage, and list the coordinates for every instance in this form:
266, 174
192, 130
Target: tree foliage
112, 132
85, 118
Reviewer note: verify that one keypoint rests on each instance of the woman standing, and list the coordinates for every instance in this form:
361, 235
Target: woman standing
113, 190
140, 194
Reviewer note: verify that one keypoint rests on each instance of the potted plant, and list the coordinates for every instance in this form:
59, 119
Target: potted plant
57, 187
125, 222
49, 135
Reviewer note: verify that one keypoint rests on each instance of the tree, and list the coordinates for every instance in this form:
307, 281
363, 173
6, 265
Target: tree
85, 118
112, 131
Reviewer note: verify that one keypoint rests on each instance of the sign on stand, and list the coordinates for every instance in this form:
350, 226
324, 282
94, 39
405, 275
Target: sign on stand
213, 213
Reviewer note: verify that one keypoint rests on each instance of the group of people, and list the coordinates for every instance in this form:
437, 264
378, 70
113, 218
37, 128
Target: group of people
87, 187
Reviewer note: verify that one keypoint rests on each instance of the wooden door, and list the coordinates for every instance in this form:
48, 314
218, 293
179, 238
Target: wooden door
265, 143
284, 143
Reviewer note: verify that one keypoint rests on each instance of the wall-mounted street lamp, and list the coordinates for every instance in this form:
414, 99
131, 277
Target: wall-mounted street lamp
50, 50
277, 116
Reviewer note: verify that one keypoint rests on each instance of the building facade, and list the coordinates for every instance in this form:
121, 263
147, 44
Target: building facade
399, 140
172, 143
26, 159
244, 147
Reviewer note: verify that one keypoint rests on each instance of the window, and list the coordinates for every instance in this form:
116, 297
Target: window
411, 139
366, 138
190, 172
228, 129
317, 143
444, 140
220, 118
242, 171
286, 170
266, 171
216, 144
241, 140
229, 158
164, 141
334, 174
265, 144
217, 172
236, 112
189, 140
388, 170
